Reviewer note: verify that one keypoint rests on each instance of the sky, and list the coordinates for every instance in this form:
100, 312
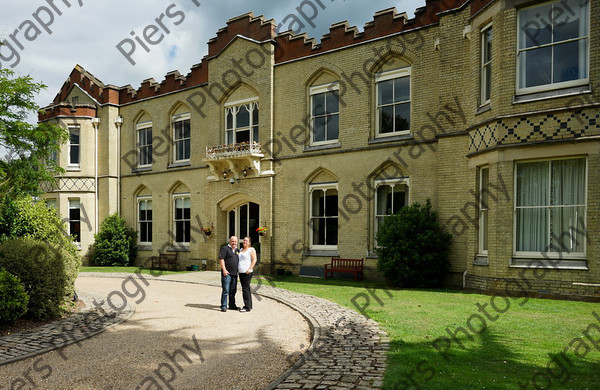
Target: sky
47, 38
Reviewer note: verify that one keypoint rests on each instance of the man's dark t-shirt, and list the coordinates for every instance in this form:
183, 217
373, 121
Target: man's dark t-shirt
231, 259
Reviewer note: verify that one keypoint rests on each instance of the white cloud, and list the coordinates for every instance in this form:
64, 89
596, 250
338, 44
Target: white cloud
88, 35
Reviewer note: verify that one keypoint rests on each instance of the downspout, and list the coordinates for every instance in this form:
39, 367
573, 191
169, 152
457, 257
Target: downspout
464, 279
118, 123
95, 123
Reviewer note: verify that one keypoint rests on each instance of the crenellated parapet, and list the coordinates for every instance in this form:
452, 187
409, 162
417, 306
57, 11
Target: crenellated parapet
385, 22
248, 25
288, 47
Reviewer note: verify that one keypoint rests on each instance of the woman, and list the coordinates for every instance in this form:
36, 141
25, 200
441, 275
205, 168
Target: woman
247, 261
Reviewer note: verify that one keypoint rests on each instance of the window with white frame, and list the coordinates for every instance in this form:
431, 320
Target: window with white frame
144, 143
324, 216
74, 146
486, 63
75, 220
51, 204
550, 208
181, 137
325, 113
182, 218
145, 220
391, 196
393, 101
553, 45
53, 156
241, 122
484, 190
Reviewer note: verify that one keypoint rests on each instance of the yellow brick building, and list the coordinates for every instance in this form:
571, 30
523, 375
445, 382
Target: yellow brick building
487, 107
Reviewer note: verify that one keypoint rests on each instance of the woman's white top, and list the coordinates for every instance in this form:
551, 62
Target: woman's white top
245, 260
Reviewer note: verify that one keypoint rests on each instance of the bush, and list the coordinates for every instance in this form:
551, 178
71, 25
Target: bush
47, 272
25, 217
413, 248
115, 244
13, 298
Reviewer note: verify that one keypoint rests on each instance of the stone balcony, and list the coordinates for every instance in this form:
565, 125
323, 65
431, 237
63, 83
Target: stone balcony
235, 161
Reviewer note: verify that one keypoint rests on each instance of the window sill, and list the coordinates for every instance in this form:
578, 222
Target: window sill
557, 93
485, 108
558, 264
322, 147
179, 248
141, 169
74, 168
321, 253
391, 138
144, 247
179, 164
481, 260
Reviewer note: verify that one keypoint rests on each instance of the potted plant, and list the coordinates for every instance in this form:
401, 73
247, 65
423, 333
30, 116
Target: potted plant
207, 230
262, 230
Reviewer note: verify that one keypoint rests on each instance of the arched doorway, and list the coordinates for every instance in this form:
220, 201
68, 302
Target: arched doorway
243, 220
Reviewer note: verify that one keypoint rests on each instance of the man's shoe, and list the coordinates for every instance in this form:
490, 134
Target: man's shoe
244, 309
234, 308
223, 309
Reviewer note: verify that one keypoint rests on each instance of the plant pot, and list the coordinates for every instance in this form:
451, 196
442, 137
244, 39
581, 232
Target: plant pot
207, 233
261, 233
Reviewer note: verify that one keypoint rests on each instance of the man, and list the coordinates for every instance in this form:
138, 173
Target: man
229, 269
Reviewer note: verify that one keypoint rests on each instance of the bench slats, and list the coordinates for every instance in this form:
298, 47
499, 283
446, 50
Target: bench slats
354, 266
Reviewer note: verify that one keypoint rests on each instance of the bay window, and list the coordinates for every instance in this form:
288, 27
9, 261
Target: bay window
553, 45
550, 208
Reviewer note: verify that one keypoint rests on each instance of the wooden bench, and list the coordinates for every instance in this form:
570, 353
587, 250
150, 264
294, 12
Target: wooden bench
165, 261
350, 266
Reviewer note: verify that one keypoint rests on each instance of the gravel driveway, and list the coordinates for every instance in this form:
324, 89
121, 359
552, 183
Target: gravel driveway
177, 339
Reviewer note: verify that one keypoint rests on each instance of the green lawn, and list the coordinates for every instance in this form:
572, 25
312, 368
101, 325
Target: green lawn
513, 349
128, 270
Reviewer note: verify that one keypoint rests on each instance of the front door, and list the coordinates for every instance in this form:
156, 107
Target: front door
243, 221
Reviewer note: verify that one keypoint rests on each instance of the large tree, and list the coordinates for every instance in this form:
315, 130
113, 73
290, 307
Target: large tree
25, 148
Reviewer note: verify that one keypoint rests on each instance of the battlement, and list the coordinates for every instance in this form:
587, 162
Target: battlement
288, 46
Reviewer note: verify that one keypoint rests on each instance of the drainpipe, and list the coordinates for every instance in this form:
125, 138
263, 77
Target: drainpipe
95, 123
464, 279
118, 123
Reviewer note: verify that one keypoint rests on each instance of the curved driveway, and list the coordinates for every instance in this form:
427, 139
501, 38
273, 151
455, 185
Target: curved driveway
177, 338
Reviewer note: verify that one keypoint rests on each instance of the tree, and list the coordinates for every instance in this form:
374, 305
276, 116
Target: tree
27, 147
413, 248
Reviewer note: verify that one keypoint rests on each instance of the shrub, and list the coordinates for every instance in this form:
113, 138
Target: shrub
25, 217
13, 298
413, 248
47, 272
115, 244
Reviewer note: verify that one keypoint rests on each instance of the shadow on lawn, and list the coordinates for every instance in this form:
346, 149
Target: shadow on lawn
487, 362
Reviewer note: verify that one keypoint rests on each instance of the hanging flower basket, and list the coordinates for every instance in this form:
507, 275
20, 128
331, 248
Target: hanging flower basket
262, 230
207, 230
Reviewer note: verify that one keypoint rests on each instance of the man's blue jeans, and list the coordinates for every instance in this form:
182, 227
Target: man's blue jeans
229, 285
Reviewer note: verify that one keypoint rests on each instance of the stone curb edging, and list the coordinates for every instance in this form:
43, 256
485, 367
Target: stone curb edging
30, 343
